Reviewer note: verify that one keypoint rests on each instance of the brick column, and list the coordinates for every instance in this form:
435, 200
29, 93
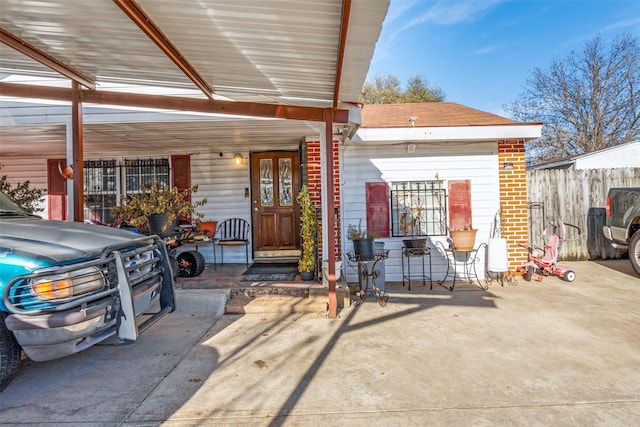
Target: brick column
513, 200
314, 182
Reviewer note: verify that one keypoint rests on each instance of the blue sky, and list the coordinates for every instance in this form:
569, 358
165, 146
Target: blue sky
482, 52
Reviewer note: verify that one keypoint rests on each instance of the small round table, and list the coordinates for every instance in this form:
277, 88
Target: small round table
467, 259
367, 271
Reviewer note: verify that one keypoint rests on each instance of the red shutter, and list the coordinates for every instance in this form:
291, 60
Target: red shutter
378, 208
181, 172
460, 205
181, 177
56, 189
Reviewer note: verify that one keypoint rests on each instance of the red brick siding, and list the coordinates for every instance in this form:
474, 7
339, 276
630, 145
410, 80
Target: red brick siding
314, 180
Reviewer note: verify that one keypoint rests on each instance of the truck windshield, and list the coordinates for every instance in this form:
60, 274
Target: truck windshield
8, 207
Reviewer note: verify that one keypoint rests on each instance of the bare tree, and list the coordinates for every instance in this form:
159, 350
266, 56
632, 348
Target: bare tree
588, 100
387, 90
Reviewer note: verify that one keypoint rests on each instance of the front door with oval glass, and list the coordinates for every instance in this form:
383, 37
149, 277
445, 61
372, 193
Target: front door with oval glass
275, 180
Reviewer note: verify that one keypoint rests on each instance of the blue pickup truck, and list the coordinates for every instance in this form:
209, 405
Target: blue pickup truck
623, 222
66, 286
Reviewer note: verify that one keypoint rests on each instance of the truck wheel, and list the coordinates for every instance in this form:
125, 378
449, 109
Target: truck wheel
634, 251
10, 353
569, 276
191, 264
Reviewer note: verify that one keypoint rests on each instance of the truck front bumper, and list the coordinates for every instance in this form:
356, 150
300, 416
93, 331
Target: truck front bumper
135, 279
54, 335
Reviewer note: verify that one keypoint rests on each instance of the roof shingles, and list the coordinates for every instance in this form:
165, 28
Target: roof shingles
428, 114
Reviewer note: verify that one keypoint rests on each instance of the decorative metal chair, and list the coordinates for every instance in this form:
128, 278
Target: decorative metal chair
231, 232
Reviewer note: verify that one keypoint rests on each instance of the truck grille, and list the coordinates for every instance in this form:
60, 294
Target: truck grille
61, 288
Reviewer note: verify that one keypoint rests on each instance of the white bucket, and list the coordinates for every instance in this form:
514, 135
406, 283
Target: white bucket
325, 271
497, 257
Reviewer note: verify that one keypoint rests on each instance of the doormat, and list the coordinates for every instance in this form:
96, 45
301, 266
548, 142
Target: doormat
270, 272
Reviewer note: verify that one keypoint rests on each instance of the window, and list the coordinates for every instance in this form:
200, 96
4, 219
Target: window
145, 173
106, 180
100, 189
418, 208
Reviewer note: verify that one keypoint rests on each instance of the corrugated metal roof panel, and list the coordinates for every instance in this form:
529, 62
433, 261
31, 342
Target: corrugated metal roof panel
261, 51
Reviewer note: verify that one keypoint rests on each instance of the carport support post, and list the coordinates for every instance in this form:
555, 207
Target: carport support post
328, 221
78, 153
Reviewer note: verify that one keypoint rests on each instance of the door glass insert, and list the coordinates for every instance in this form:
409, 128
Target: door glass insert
266, 182
286, 198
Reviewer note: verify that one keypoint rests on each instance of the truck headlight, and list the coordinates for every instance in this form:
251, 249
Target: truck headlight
66, 285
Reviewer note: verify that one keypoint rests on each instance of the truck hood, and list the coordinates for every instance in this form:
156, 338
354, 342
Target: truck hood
58, 241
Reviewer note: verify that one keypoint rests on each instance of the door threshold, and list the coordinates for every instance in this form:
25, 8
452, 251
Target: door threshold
267, 260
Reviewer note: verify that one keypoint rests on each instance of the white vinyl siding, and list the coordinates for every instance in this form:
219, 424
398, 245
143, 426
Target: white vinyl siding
223, 184
32, 169
475, 161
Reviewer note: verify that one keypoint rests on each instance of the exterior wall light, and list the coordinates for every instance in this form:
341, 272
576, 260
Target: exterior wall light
238, 159
507, 166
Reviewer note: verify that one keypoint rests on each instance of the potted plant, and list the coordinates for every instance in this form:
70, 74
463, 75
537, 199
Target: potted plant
307, 262
409, 223
207, 228
464, 239
363, 242
156, 208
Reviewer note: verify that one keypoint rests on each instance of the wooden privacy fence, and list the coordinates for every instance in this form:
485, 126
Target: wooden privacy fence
576, 197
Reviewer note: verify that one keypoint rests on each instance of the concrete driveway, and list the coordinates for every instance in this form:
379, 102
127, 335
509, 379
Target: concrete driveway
548, 353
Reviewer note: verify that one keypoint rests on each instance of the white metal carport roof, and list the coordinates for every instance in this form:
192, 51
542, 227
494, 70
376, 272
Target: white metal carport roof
255, 55
265, 51
300, 59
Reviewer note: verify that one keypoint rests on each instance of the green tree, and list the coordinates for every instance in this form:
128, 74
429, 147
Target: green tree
22, 194
419, 90
588, 100
388, 90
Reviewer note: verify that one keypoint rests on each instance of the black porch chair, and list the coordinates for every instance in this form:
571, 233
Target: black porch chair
231, 232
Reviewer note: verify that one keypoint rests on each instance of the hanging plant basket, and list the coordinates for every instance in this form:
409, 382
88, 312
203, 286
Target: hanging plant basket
463, 240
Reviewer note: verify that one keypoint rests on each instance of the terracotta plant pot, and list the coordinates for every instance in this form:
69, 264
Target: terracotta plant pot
463, 240
208, 228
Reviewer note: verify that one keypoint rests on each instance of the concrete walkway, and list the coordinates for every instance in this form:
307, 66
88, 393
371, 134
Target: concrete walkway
545, 354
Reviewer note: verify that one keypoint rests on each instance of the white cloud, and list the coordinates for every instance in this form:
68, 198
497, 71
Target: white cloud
627, 23
403, 15
487, 50
452, 12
